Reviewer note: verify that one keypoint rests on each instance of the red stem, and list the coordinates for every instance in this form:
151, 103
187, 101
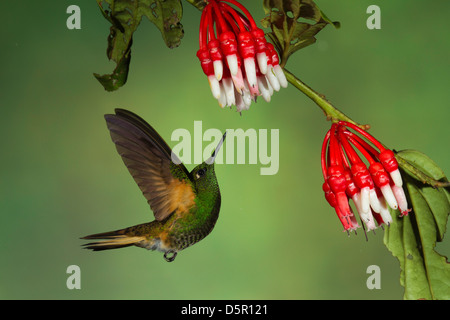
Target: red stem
324, 154
222, 23
244, 20
211, 34
362, 150
230, 11
231, 22
350, 152
344, 159
245, 11
365, 145
203, 33
335, 153
367, 135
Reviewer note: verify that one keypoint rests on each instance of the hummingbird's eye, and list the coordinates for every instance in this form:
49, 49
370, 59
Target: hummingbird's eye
200, 173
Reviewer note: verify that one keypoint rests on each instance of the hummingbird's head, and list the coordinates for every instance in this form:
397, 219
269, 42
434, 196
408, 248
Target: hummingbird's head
204, 175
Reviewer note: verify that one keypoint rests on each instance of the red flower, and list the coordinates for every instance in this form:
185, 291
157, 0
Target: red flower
372, 188
235, 56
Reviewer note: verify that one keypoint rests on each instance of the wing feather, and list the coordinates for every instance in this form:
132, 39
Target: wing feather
149, 161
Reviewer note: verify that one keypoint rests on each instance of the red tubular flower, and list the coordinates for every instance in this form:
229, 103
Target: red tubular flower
235, 56
372, 181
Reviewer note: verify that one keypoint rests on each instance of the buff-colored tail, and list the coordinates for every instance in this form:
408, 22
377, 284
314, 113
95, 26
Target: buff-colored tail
112, 240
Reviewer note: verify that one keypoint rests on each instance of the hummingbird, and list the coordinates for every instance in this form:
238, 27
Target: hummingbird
185, 204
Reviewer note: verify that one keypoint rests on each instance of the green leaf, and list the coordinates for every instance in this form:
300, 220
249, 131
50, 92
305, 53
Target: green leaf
437, 198
166, 15
125, 17
425, 274
294, 24
119, 76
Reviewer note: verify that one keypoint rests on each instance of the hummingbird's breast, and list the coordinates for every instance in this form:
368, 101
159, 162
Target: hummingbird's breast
196, 224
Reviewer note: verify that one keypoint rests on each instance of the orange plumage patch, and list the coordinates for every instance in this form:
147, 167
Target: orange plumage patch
181, 195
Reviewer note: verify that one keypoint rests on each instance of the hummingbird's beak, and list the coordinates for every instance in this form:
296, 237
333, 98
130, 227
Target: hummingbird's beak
216, 151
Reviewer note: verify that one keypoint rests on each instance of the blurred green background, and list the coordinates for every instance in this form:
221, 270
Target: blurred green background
276, 237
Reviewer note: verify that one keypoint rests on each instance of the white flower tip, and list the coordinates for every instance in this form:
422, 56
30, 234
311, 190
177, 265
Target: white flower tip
239, 101
374, 201
262, 62
218, 69
215, 86
223, 97
269, 87
384, 211
365, 204
397, 178
247, 98
280, 76
401, 198
254, 90
229, 91
233, 64
370, 224
264, 88
366, 217
386, 216
389, 196
238, 81
273, 80
250, 71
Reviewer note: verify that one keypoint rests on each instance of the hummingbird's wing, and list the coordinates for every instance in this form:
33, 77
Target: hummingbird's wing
166, 186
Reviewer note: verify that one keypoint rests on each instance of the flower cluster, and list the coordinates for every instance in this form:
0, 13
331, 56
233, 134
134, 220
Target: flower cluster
346, 175
235, 56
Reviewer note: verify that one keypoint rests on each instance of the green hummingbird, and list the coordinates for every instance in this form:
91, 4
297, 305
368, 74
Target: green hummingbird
185, 204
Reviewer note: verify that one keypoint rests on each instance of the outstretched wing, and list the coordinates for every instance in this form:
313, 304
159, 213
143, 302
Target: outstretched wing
166, 185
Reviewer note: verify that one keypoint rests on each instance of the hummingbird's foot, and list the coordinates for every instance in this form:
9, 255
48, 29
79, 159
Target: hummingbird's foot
170, 255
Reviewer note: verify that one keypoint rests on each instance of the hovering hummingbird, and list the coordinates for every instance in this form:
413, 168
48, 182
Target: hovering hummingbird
185, 204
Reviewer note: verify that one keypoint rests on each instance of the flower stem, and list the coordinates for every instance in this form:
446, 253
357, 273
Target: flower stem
330, 111
199, 4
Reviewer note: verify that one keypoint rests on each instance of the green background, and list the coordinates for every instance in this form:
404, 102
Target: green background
276, 237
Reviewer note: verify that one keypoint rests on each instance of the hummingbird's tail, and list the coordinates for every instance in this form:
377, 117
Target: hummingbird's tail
112, 240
